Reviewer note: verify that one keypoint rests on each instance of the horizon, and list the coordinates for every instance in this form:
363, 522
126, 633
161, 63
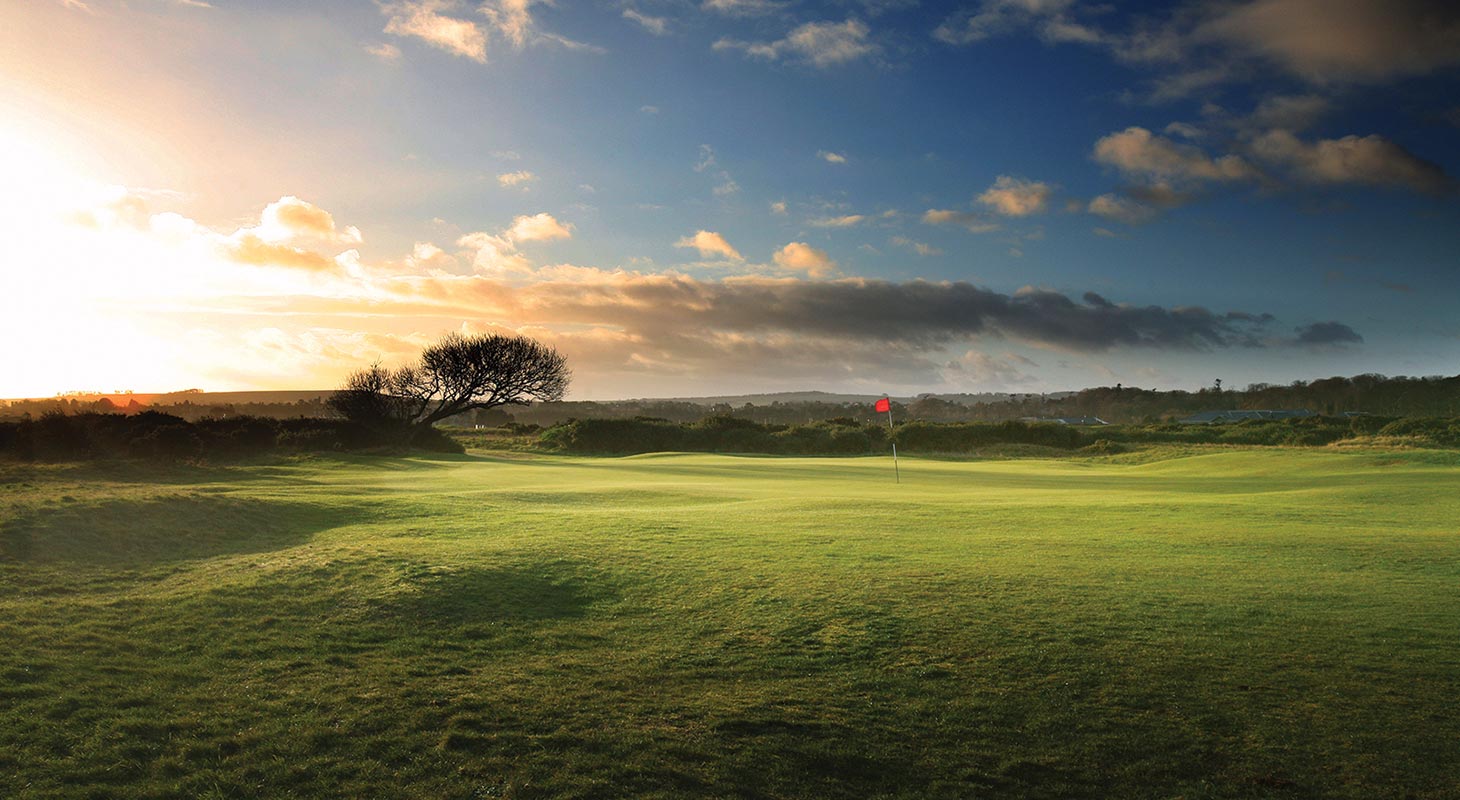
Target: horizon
732, 197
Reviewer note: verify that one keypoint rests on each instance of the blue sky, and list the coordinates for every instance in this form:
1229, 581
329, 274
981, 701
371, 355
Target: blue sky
705, 197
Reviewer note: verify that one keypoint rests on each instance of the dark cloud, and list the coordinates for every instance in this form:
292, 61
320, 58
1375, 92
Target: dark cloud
1327, 334
918, 313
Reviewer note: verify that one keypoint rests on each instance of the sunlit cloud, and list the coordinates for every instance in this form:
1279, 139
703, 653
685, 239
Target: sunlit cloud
384, 51
969, 221
1016, 197
920, 248
830, 157
844, 221
538, 228
820, 44
710, 244
422, 19
802, 257
518, 178
1369, 160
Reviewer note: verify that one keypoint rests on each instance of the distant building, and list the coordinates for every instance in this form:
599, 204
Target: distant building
1238, 415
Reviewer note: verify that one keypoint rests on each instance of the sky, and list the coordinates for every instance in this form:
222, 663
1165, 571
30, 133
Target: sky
697, 197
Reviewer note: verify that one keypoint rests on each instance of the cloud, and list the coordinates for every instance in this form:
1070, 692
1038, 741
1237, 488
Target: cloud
845, 221
991, 373
495, 254
917, 247
1330, 41
538, 228
498, 253
974, 223
802, 257
517, 178
820, 44
649, 110
997, 17
830, 157
710, 244
247, 248
1369, 160
421, 19
659, 26
742, 8
918, 314
778, 207
1138, 153
1120, 209
707, 158
1016, 197
290, 218
384, 51
1328, 334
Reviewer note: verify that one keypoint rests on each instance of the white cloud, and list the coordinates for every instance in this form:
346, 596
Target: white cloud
659, 26
830, 157
821, 44
802, 257
707, 158
778, 207
742, 8
710, 244
421, 19
845, 221
649, 109
517, 178
974, 223
1016, 197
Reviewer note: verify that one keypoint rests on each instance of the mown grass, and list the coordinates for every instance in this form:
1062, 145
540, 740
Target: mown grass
1216, 624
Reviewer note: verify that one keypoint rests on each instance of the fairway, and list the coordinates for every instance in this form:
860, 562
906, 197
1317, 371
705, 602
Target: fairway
1220, 623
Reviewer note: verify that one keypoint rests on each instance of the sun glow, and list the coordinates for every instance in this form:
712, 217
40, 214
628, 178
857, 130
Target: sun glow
85, 270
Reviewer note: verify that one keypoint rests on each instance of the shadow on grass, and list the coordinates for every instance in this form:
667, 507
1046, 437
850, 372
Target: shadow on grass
527, 593
138, 533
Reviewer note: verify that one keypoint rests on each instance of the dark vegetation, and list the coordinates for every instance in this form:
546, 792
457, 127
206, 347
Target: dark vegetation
1400, 396
157, 436
850, 437
455, 376
1406, 411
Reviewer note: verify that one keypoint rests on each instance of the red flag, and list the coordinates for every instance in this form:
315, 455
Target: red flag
882, 406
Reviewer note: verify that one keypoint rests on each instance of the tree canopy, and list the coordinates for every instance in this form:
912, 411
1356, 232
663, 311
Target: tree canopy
459, 373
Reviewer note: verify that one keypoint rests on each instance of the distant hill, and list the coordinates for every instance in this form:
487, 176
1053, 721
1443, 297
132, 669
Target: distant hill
769, 398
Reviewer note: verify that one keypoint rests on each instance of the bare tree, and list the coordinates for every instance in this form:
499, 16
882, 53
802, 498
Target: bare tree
455, 375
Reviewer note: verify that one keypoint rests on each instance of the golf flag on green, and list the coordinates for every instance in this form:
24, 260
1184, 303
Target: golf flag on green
885, 404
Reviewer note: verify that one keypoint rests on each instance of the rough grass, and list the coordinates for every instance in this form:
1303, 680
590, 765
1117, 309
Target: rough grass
1212, 624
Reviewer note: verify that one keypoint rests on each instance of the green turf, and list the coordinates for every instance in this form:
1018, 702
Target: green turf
1276, 623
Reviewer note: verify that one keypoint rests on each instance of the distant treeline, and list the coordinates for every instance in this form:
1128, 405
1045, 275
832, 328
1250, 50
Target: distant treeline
158, 436
847, 436
1371, 394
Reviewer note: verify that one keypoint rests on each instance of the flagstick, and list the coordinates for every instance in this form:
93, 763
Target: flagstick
896, 473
